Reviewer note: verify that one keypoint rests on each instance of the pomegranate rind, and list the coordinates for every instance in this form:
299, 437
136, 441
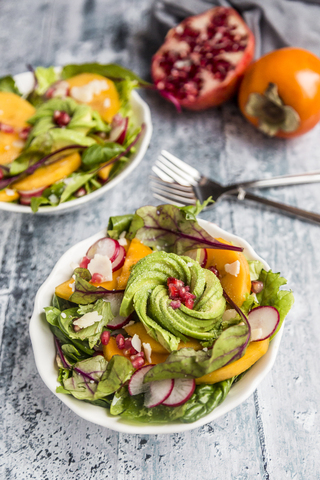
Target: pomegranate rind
219, 91
265, 317
183, 389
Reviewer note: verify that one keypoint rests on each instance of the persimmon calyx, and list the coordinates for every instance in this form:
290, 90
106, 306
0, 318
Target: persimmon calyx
272, 113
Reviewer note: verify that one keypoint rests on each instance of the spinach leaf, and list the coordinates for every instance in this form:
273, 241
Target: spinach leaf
7, 84
112, 71
61, 303
168, 228
119, 401
271, 295
205, 399
118, 371
71, 353
119, 224
97, 154
187, 362
74, 182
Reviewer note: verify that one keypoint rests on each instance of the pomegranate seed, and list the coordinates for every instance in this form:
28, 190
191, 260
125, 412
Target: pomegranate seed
175, 281
127, 343
189, 303
81, 192
1, 174
23, 134
130, 351
175, 304
137, 362
120, 341
84, 262
105, 337
97, 353
215, 271
140, 354
6, 128
61, 118
97, 278
256, 286
173, 291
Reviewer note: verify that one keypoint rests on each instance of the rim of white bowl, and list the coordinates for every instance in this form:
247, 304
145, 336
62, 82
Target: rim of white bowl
24, 82
43, 344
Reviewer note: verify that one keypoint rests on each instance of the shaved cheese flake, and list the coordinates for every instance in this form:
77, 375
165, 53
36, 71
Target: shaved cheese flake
88, 319
147, 350
101, 264
136, 342
233, 268
10, 192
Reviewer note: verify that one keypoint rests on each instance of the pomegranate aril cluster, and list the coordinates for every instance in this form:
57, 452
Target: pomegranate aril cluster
136, 358
183, 70
61, 118
179, 293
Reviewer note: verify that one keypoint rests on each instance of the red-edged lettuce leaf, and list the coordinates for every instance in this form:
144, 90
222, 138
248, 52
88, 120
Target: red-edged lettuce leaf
84, 292
172, 229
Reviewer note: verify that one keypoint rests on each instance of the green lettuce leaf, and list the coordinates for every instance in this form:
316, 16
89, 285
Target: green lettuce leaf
7, 84
271, 295
255, 267
45, 77
118, 371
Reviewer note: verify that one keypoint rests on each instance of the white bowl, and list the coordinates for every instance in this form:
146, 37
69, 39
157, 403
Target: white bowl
141, 114
44, 349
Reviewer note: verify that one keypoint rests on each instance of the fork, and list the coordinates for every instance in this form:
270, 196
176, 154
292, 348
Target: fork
180, 184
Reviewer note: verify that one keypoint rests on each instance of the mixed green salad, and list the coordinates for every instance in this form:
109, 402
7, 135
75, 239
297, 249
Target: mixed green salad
160, 319
73, 133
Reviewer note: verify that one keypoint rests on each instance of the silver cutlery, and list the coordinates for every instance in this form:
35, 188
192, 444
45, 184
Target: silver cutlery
178, 183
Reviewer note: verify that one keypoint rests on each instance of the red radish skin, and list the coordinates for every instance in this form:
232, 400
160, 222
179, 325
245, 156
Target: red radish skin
265, 318
158, 392
183, 389
136, 385
118, 322
122, 137
105, 246
26, 196
194, 254
119, 261
203, 59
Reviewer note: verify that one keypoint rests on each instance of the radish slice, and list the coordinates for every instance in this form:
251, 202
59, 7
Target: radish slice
194, 253
119, 261
182, 390
136, 385
26, 196
158, 392
117, 322
122, 137
263, 322
118, 127
105, 246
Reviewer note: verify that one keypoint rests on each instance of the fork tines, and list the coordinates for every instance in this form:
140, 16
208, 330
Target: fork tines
172, 192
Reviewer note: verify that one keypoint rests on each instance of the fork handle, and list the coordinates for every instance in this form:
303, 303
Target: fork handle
296, 179
297, 212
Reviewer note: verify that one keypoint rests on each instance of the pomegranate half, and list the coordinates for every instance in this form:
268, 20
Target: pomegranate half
203, 59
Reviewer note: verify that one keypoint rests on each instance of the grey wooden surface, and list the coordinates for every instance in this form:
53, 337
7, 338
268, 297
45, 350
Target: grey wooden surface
275, 433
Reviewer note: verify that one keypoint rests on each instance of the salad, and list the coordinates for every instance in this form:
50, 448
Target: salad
159, 319
73, 133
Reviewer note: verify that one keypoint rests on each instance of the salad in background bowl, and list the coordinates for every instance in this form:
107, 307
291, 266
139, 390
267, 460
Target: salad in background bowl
159, 324
67, 135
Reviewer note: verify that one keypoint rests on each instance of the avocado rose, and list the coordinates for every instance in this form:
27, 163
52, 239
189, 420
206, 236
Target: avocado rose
147, 294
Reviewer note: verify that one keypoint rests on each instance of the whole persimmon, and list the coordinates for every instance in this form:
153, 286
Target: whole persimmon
280, 92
